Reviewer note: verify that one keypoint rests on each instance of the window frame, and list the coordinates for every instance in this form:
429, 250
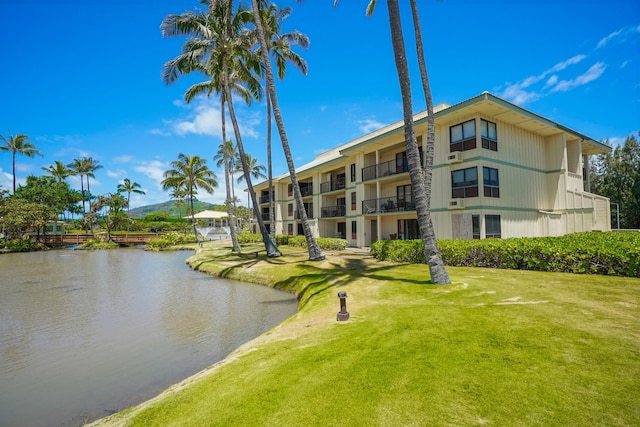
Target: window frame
491, 188
490, 221
487, 141
467, 142
467, 187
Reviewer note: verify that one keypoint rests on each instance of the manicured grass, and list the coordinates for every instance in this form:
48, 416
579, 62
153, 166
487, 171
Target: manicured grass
498, 347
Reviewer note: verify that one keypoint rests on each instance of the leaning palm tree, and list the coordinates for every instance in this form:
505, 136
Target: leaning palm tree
58, 170
420, 178
315, 253
206, 51
279, 45
190, 173
18, 144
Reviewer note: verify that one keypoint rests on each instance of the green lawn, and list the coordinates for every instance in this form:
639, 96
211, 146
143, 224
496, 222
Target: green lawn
498, 347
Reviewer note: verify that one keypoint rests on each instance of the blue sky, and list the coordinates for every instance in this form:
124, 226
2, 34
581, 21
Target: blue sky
82, 78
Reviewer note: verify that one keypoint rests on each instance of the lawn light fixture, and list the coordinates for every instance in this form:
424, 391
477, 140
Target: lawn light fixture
343, 314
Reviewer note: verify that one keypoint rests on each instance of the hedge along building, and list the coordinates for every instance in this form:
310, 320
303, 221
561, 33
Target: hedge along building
498, 171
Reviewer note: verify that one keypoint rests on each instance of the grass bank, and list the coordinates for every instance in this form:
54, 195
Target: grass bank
498, 347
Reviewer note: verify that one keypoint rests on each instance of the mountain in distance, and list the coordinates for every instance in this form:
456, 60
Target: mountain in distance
170, 208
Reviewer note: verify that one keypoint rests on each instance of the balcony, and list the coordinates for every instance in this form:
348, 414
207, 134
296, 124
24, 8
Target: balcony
265, 198
333, 211
336, 184
391, 167
306, 189
388, 204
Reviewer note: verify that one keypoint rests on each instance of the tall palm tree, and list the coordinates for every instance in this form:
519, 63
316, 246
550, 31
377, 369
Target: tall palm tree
315, 253
129, 187
207, 51
77, 168
279, 45
58, 170
18, 144
190, 173
226, 157
420, 178
255, 170
85, 167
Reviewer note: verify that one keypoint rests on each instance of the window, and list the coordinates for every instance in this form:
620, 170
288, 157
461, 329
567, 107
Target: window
408, 229
353, 172
290, 229
353, 201
290, 189
489, 135
490, 182
290, 209
405, 202
464, 183
475, 223
492, 226
354, 230
462, 137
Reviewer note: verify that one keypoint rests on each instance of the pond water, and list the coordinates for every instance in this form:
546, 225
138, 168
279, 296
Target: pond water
84, 334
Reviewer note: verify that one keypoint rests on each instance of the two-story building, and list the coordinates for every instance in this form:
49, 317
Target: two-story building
499, 171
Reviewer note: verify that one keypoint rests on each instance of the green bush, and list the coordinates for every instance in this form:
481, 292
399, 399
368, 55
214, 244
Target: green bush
166, 240
98, 243
613, 253
295, 241
22, 245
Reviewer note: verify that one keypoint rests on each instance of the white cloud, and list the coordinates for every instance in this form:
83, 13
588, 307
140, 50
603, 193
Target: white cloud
125, 158
6, 180
119, 174
153, 169
590, 75
159, 132
369, 125
619, 36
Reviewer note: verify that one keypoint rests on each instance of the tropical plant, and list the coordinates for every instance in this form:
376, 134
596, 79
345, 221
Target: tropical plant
85, 168
211, 51
279, 45
616, 175
58, 170
18, 216
420, 178
18, 144
225, 157
129, 187
315, 253
190, 173
48, 191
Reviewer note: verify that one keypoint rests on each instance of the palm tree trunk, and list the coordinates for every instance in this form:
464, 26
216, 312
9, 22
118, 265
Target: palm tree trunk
413, 156
272, 203
225, 154
270, 246
193, 215
13, 165
436, 265
315, 253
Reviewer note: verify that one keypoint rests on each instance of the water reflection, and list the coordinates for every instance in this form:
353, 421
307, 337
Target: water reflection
85, 333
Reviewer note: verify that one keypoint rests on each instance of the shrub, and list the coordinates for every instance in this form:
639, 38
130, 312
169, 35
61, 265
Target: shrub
166, 240
613, 253
98, 243
22, 245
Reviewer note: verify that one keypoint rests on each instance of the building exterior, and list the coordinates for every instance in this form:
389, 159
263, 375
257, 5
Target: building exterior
499, 171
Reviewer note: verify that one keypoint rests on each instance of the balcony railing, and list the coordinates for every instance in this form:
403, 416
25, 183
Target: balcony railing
336, 184
265, 199
306, 190
333, 211
265, 216
388, 204
388, 168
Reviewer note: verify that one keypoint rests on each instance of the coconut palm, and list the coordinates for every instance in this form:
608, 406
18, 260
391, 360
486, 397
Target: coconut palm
77, 168
85, 167
212, 53
420, 178
129, 187
18, 144
190, 173
315, 253
58, 170
226, 157
279, 45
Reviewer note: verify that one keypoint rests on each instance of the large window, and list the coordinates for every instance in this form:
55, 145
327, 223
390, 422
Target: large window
354, 230
475, 224
490, 182
464, 183
290, 209
492, 226
462, 137
353, 172
489, 135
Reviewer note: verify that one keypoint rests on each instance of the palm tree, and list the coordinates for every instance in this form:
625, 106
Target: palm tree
77, 168
207, 51
420, 178
315, 253
279, 45
18, 144
85, 167
226, 156
256, 171
129, 187
58, 170
190, 173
